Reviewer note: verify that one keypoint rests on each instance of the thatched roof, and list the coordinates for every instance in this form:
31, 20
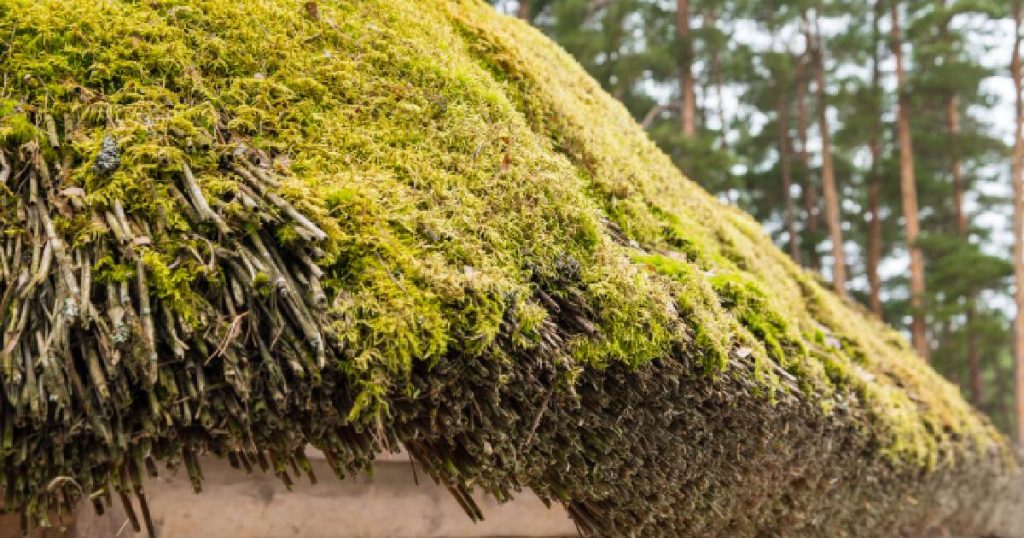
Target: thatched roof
241, 227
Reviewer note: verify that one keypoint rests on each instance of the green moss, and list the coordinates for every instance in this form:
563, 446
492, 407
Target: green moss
752, 306
636, 319
109, 270
771, 306
16, 128
454, 160
175, 283
700, 307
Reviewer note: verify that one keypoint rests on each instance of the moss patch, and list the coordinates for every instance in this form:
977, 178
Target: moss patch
271, 229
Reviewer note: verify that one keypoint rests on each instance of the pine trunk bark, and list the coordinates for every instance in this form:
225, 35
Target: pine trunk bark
874, 254
810, 194
785, 165
1018, 220
711, 22
874, 250
688, 98
962, 231
720, 93
833, 215
524, 10
908, 191
956, 166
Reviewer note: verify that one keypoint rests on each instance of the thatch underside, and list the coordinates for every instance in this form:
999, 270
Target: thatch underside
243, 227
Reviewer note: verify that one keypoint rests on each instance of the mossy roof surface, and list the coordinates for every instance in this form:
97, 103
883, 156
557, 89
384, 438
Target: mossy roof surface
454, 157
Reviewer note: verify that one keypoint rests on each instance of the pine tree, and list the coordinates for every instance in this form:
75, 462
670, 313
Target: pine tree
688, 100
874, 194
763, 153
810, 191
908, 188
833, 217
956, 148
786, 169
1018, 215
523, 11
959, 208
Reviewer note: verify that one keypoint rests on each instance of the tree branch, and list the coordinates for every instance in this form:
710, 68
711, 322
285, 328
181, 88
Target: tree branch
656, 111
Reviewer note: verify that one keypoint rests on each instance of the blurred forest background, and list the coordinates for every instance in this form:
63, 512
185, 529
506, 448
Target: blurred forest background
878, 141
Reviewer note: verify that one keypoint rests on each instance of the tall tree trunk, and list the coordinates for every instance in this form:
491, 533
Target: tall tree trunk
874, 254
955, 165
785, 164
720, 91
613, 20
524, 10
973, 354
711, 23
908, 191
688, 97
1004, 384
1018, 220
809, 190
962, 230
833, 216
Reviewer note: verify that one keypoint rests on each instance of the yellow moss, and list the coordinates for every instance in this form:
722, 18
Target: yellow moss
805, 329
455, 159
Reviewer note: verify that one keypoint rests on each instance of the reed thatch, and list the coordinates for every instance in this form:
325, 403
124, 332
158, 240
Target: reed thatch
242, 227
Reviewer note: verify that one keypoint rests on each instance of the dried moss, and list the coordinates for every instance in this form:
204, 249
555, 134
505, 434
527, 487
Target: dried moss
400, 223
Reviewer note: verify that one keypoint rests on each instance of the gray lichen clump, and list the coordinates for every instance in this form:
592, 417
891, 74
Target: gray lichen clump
109, 157
240, 228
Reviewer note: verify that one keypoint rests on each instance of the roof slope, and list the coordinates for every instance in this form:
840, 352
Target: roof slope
244, 226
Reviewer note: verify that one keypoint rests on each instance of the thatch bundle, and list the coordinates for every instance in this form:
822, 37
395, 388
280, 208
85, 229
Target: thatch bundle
244, 227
